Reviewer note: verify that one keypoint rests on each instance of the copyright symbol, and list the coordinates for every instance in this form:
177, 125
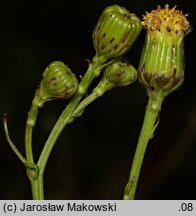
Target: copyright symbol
11, 207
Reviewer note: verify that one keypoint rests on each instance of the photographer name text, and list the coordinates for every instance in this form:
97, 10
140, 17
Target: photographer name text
68, 207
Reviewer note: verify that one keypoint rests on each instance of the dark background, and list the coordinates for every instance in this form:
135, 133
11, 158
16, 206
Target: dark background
93, 155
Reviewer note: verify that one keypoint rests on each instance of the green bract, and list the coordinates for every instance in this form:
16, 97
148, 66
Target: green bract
162, 61
115, 32
58, 82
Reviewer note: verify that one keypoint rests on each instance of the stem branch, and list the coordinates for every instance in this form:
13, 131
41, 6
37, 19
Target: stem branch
67, 115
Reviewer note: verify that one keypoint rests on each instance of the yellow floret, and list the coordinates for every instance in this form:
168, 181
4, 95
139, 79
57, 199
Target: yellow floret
166, 19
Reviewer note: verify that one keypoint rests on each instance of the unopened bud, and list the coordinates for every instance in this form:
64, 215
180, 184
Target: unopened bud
115, 32
58, 82
120, 73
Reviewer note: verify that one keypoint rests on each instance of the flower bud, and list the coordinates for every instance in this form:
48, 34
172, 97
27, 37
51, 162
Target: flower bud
162, 61
120, 73
115, 32
58, 82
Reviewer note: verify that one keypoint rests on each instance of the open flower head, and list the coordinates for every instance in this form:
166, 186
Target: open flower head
166, 20
162, 61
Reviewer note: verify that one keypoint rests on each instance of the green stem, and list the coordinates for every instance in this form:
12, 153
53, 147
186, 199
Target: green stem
149, 125
102, 87
31, 120
57, 129
34, 175
11, 144
84, 104
28, 143
67, 115
37, 188
37, 185
32, 169
27, 164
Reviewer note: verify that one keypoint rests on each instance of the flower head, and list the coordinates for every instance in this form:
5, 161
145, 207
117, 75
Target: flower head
162, 61
166, 20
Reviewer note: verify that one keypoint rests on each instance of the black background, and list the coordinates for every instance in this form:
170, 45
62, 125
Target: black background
93, 155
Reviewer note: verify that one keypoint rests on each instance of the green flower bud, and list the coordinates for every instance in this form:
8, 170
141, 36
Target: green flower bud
120, 73
58, 82
162, 61
115, 32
